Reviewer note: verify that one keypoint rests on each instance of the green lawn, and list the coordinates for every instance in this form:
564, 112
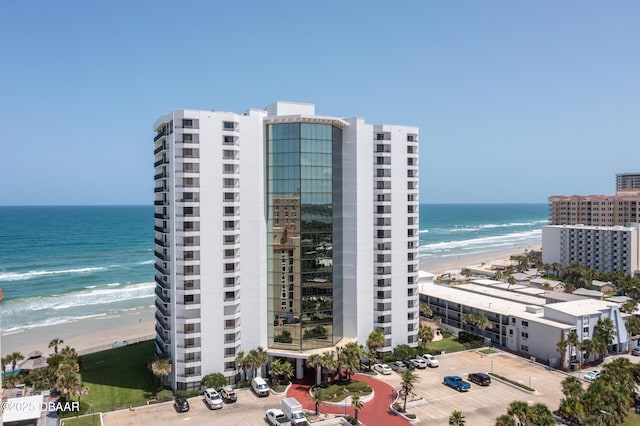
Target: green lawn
633, 419
488, 351
119, 377
450, 343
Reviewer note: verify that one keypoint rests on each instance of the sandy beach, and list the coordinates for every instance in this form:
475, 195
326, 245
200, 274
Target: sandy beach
456, 263
83, 335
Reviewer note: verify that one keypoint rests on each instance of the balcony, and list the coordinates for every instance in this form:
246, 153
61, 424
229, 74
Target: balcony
165, 311
161, 203
162, 256
161, 162
159, 149
159, 135
161, 229
162, 295
162, 216
164, 322
160, 282
161, 243
162, 270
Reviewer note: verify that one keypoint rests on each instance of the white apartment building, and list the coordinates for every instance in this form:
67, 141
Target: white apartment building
283, 229
603, 248
529, 323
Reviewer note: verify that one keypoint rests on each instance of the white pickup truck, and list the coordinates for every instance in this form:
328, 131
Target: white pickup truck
276, 417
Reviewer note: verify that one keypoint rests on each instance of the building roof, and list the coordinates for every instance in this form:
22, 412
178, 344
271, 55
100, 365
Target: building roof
495, 291
601, 284
21, 409
558, 296
488, 303
519, 276
581, 307
588, 293
543, 281
618, 299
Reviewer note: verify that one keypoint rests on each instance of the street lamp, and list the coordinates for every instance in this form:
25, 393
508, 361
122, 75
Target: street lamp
604, 412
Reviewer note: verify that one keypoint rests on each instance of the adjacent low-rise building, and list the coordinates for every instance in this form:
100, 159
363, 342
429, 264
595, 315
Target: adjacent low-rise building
525, 322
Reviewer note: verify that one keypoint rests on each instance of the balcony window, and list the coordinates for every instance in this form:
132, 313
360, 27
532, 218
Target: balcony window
228, 125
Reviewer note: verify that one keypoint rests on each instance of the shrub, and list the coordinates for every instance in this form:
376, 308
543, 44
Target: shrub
244, 384
513, 382
188, 393
389, 358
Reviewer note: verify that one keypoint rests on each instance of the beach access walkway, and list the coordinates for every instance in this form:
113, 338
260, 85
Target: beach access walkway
374, 412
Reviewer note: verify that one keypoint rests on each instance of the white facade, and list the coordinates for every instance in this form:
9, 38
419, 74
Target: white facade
530, 325
603, 248
212, 227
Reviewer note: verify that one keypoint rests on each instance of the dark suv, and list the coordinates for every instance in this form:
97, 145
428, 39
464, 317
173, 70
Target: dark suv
480, 379
181, 404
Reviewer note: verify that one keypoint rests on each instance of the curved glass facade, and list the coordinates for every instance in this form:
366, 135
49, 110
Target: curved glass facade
300, 234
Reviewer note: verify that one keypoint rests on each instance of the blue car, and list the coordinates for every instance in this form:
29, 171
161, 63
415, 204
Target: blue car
457, 383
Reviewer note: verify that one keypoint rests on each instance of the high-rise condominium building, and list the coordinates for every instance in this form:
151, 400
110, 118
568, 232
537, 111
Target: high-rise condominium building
283, 229
627, 181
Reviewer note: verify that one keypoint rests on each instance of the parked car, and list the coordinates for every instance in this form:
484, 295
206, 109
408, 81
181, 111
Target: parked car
382, 368
418, 363
457, 383
213, 399
276, 417
430, 360
181, 404
260, 387
590, 376
398, 366
635, 352
480, 379
228, 394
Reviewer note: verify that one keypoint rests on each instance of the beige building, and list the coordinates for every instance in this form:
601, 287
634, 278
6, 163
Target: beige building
597, 210
627, 180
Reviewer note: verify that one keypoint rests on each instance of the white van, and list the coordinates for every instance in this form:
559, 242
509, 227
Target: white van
260, 387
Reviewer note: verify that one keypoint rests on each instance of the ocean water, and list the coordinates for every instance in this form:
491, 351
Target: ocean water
62, 264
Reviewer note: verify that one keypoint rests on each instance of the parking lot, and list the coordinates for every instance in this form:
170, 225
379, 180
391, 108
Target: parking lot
249, 410
479, 405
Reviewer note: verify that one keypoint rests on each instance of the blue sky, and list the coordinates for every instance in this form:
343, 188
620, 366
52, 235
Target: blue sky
515, 101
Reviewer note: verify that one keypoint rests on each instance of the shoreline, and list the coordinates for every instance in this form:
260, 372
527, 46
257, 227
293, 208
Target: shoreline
458, 262
102, 332
82, 335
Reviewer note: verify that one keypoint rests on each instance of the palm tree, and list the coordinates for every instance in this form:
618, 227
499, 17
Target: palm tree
329, 362
316, 396
282, 369
261, 358
605, 330
353, 353
587, 347
243, 361
4, 365
629, 306
561, 347
518, 410
456, 418
55, 343
483, 323
161, 367
80, 392
357, 405
68, 382
376, 339
315, 361
68, 352
505, 420
425, 335
573, 340
633, 326
13, 358
425, 310
511, 281
408, 382
277, 367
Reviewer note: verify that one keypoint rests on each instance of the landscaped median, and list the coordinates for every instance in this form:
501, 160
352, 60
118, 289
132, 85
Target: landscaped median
513, 383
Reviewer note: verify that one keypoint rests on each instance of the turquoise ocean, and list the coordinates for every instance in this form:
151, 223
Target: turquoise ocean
63, 264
